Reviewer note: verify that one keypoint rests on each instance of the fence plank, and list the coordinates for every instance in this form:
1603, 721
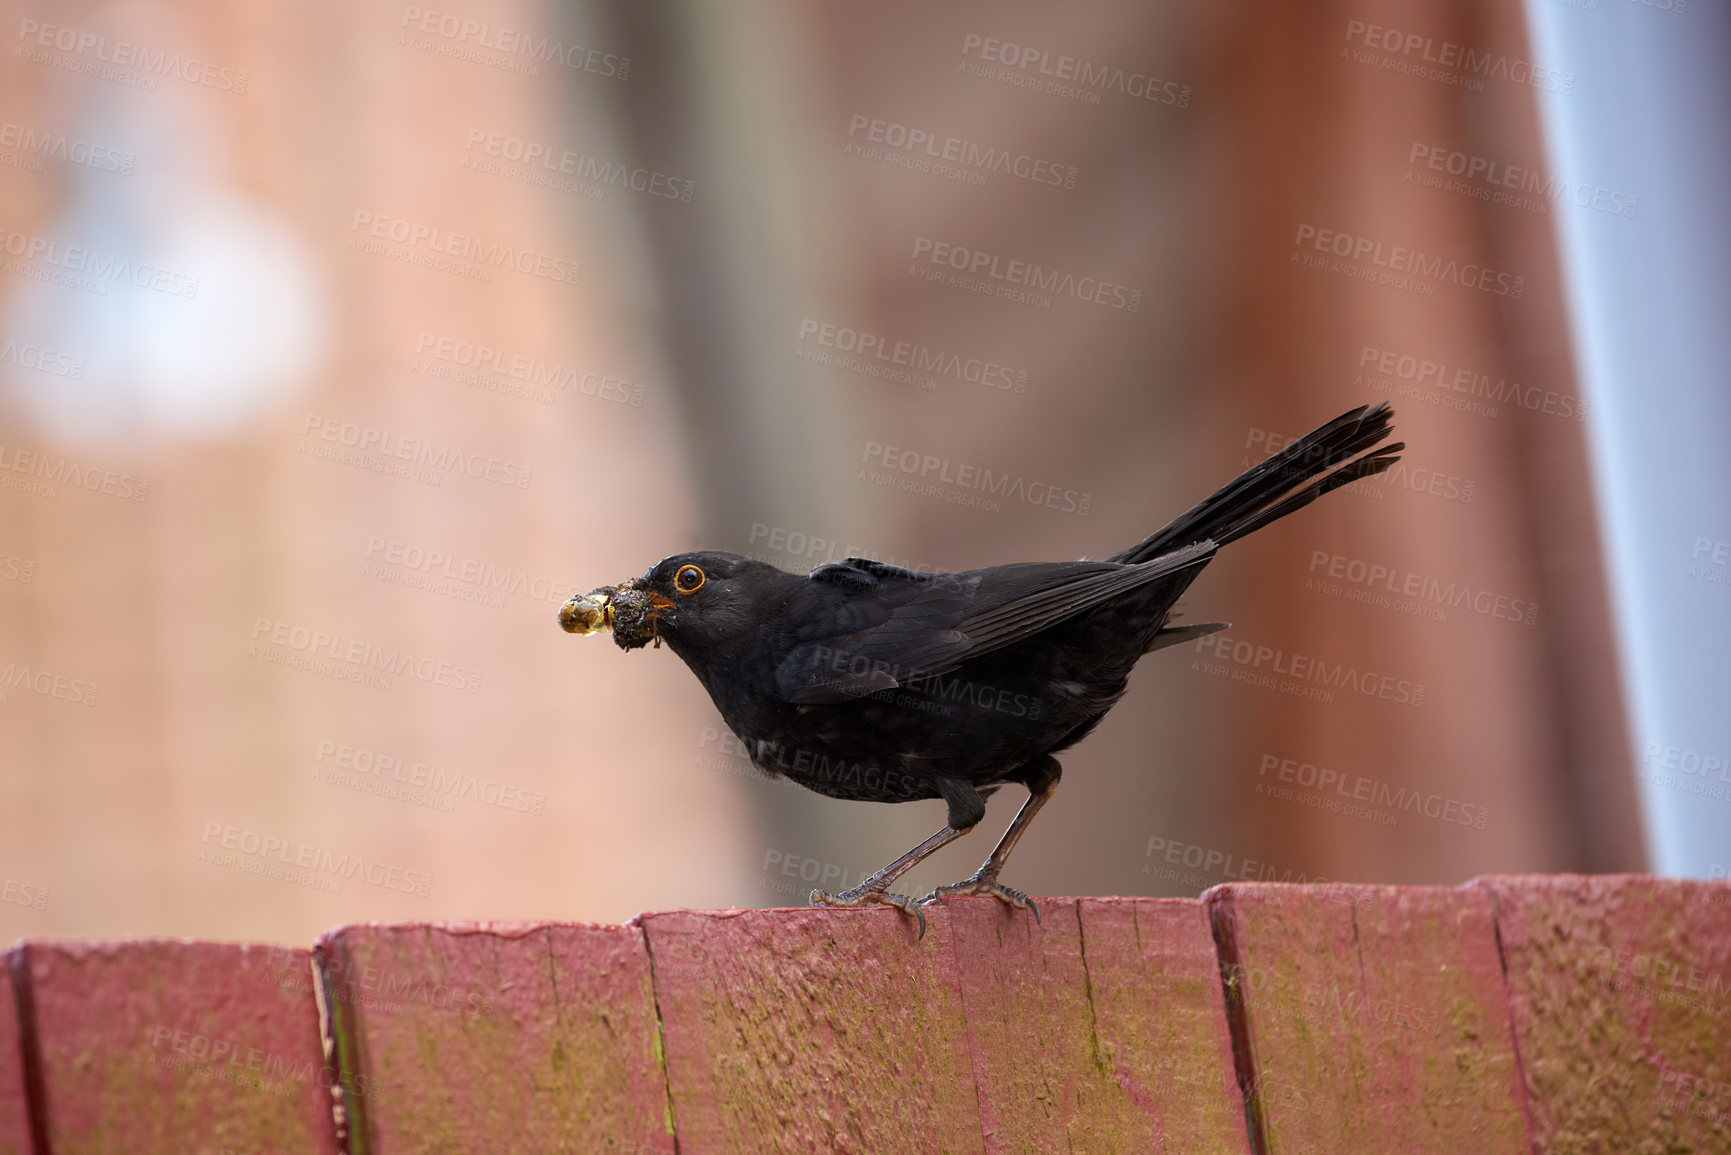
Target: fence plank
14, 1105
1160, 1019
1087, 1036
1371, 1018
813, 1030
171, 1046
531, 1037
1620, 989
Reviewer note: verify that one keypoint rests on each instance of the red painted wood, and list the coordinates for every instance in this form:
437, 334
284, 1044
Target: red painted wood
151, 1046
1363, 1019
1160, 1021
1101, 1030
1620, 989
1373, 1018
14, 1108
526, 1037
813, 1030
801, 1030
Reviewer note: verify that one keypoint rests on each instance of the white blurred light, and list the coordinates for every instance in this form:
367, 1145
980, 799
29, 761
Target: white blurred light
177, 362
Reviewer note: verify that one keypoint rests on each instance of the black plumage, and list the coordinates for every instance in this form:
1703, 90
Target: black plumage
871, 682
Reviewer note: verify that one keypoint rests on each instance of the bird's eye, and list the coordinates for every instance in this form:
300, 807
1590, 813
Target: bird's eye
688, 580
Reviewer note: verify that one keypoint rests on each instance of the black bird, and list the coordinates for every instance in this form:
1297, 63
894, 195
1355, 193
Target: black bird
871, 682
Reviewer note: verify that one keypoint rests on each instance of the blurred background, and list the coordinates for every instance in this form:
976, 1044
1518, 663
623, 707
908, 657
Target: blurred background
340, 343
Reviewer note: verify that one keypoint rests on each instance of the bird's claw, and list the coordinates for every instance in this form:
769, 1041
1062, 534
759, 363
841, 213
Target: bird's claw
863, 896
980, 885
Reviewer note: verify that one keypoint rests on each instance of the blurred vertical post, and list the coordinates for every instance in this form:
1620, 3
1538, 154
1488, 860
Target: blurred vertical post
1649, 299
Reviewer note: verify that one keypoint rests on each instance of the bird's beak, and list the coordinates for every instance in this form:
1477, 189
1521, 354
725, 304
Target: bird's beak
632, 614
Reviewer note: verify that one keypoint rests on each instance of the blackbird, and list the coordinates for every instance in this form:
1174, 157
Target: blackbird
871, 682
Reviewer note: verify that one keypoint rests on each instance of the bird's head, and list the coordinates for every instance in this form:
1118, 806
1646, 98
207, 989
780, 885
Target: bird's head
687, 600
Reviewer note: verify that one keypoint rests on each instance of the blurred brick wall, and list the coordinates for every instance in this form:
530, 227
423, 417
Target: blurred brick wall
697, 391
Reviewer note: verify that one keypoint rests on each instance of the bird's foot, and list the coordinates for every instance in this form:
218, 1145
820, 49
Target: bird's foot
983, 884
870, 896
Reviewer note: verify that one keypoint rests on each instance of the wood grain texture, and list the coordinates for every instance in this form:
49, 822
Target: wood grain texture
1101, 1030
171, 1046
795, 1030
1620, 991
531, 1037
14, 1106
813, 1030
1373, 1018
1160, 1022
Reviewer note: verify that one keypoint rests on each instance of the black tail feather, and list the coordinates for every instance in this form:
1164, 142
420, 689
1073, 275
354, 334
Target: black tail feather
1369, 465
1264, 492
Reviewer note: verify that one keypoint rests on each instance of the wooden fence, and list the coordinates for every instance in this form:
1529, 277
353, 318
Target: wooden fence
1512, 1014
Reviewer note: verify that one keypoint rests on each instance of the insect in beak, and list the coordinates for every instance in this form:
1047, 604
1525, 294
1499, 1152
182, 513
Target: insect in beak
589, 613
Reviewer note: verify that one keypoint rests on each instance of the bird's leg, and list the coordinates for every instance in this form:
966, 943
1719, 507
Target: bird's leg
966, 807
875, 890
1042, 784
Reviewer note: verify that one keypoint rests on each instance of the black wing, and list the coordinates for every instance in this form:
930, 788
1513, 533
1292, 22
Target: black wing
914, 625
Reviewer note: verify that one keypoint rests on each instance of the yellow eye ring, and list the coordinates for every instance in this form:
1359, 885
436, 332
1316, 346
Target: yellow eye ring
688, 580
